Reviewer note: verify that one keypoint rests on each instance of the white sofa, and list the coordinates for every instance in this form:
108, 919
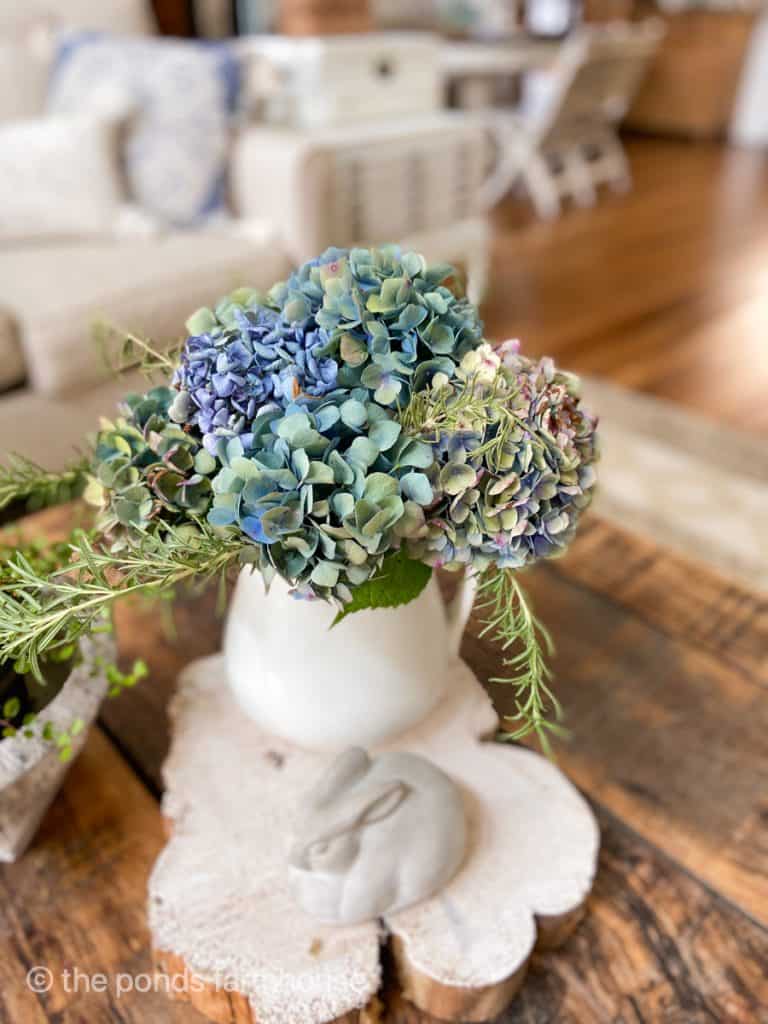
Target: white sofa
55, 378
409, 182
54, 383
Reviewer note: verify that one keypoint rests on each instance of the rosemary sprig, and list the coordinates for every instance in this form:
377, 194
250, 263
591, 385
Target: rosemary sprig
23, 480
39, 612
123, 351
478, 409
511, 623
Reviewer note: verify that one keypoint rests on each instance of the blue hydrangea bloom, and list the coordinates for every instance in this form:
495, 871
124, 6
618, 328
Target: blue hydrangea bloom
241, 357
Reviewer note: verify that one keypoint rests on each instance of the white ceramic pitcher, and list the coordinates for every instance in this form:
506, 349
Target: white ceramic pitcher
371, 677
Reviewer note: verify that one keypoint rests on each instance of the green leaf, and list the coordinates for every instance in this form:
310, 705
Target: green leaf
11, 708
400, 580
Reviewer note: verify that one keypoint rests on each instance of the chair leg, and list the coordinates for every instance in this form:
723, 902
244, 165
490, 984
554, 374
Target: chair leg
502, 178
542, 187
478, 262
579, 177
618, 174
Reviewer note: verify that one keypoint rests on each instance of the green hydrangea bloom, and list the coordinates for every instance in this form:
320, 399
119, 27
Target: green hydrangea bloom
326, 493
146, 469
514, 461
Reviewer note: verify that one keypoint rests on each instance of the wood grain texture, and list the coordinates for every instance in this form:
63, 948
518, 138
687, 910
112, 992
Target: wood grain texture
685, 600
409, 985
661, 664
77, 901
655, 947
692, 82
667, 733
662, 669
664, 731
661, 290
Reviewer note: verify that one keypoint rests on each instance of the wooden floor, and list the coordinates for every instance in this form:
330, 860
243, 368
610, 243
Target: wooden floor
664, 290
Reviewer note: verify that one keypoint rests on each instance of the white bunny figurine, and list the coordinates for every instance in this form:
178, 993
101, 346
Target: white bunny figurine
376, 835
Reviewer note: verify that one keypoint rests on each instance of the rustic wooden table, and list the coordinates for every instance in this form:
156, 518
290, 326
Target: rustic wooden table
663, 669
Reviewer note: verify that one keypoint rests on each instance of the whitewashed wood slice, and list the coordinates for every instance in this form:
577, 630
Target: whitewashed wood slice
219, 896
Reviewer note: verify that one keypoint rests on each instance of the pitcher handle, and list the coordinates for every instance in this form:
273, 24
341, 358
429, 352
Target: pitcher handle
459, 610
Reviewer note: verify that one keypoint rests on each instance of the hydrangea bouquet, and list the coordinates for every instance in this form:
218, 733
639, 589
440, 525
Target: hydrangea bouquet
350, 431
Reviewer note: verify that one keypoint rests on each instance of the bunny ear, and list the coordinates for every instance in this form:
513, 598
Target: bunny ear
367, 805
346, 769
382, 801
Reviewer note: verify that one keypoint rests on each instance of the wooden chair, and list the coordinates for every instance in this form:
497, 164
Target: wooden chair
570, 145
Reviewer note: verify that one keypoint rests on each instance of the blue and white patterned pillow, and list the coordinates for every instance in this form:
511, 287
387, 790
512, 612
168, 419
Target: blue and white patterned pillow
182, 94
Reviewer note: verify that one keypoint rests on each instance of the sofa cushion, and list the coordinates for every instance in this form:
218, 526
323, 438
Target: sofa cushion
12, 369
59, 293
60, 177
26, 55
182, 92
131, 17
54, 431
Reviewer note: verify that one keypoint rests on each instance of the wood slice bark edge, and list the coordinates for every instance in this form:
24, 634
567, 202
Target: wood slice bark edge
475, 1004
425, 993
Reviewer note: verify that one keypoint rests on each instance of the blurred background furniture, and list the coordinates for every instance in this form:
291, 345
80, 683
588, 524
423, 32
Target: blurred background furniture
749, 123
565, 142
693, 81
59, 276
53, 296
121, 17
472, 71
415, 180
332, 140
323, 81
324, 17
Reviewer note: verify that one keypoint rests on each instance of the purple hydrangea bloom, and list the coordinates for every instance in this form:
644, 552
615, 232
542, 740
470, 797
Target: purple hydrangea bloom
245, 358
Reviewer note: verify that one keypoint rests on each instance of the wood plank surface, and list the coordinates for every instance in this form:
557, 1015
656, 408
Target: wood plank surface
664, 731
654, 947
668, 736
76, 901
655, 944
684, 600
661, 668
662, 290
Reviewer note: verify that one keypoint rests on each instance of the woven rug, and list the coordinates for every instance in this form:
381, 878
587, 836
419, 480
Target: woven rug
688, 482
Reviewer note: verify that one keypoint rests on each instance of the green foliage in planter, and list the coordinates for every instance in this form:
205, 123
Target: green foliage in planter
24, 693
22, 480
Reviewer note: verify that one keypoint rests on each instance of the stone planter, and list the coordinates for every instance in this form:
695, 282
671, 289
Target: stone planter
30, 770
